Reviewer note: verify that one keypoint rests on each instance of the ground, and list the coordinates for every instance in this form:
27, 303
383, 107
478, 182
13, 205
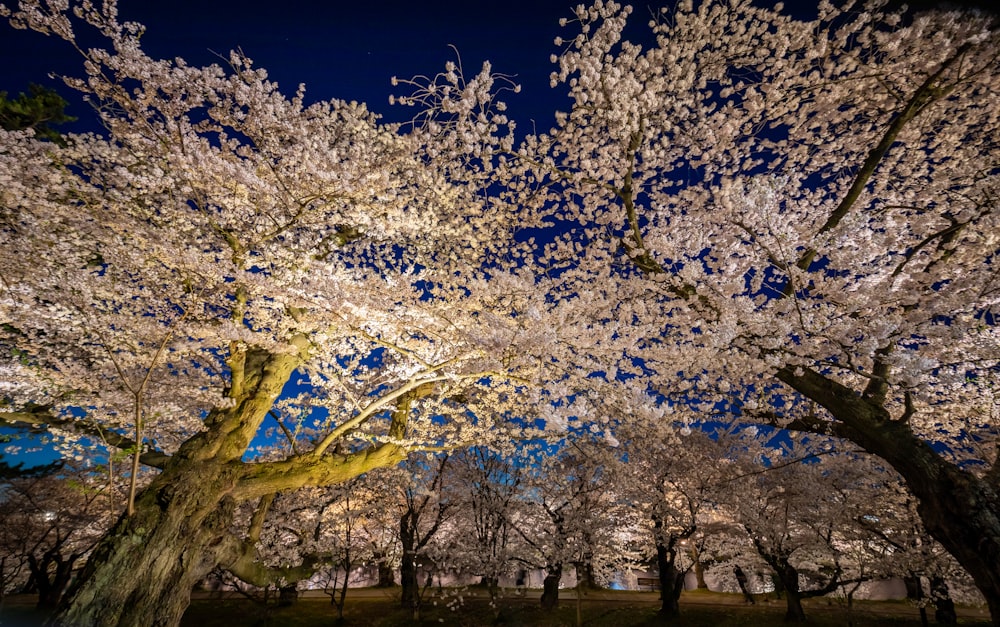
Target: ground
603, 608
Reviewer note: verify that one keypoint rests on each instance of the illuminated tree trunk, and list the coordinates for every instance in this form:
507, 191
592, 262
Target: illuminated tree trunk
143, 571
959, 509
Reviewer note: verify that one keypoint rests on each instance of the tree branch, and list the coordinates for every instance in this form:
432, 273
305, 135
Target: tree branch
42, 415
927, 93
260, 479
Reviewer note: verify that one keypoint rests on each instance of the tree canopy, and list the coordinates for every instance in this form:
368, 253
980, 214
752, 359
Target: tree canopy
755, 218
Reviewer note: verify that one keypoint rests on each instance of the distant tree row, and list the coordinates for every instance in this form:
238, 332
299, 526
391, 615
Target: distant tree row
805, 519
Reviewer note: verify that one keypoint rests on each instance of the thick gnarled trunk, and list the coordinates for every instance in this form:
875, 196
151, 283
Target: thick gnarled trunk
142, 573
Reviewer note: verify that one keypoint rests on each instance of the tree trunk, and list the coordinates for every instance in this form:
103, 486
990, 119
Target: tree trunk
410, 597
386, 576
142, 573
699, 573
942, 488
51, 582
586, 578
671, 582
789, 576
944, 607
489, 582
550, 586
915, 592
289, 595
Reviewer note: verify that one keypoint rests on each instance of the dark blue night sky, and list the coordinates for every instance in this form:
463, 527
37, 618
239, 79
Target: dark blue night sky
338, 49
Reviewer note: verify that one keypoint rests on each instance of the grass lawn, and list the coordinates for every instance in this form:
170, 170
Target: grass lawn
370, 607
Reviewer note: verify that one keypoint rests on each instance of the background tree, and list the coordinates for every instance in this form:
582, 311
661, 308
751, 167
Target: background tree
798, 503
487, 484
52, 519
671, 482
567, 513
427, 499
797, 217
39, 110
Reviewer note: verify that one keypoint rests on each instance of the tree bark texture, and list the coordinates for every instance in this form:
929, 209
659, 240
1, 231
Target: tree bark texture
143, 571
959, 509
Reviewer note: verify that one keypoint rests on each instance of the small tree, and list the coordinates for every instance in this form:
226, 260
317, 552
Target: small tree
52, 519
799, 504
567, 512
671, 482
486, 484
426, 503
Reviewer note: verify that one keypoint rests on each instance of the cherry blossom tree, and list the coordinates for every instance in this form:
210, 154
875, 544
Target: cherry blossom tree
425, 503
798, 221
225, 261
486, 486
52, 519
568, 513
807, 508
671, 482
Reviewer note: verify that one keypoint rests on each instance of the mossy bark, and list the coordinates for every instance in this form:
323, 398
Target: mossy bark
143, 571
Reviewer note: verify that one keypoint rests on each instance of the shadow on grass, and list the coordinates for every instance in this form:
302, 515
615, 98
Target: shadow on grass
604, 609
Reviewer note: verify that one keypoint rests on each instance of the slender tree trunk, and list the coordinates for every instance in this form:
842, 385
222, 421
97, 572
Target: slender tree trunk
550, 586
942, 488
408, 563
491, 584
586, 578
915, 592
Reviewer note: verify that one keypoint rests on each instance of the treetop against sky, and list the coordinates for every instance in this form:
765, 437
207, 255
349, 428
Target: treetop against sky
346, 50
